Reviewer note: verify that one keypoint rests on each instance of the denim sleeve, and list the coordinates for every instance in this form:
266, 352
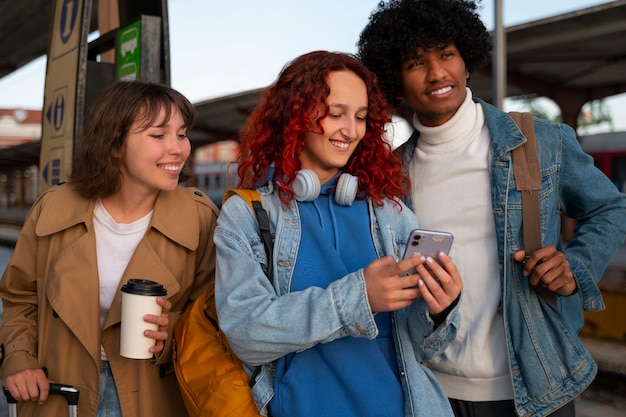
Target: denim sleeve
587, 195
429, 340
261, 325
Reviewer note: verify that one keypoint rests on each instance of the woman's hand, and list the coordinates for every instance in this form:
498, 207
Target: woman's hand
440, 285
160, 335
28, 385
388, 289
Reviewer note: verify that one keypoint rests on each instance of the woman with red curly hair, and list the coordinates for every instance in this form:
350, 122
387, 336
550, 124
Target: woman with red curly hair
275, 133
339, 325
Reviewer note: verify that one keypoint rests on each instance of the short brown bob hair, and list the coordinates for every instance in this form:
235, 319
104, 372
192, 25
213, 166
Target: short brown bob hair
96, 165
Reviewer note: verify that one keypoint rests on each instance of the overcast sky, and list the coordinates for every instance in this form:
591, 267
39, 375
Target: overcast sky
224, 47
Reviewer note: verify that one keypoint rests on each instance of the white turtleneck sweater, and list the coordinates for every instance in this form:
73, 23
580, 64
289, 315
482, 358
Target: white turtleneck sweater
452, 192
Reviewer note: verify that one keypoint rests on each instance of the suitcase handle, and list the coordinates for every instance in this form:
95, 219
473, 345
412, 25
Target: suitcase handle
69, 392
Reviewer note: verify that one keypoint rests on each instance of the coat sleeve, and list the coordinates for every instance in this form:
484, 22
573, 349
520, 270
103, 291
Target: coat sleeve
18, 290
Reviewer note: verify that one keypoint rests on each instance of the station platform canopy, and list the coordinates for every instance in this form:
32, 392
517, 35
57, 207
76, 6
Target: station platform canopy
571, 58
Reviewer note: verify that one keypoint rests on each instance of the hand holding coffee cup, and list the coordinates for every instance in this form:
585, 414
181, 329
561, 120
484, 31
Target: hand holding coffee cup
162, 334
139, 297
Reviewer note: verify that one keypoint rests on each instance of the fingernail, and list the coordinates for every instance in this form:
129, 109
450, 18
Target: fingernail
429, 260
422, 259
442, 254
420, 283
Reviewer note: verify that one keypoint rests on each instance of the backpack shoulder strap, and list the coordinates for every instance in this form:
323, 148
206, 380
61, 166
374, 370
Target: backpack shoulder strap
527, 174
253, 199
525, 158
528, 180
248, 195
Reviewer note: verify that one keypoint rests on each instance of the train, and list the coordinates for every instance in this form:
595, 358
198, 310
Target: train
214, 178
609, 154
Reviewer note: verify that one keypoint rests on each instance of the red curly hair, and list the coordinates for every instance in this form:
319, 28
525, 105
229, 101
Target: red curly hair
273, 134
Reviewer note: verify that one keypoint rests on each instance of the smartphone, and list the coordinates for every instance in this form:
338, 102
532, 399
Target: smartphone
427, 243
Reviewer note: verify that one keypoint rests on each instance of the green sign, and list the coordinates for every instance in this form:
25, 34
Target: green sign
128, 52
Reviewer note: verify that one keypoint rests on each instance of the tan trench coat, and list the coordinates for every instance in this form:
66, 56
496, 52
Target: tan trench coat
50, 292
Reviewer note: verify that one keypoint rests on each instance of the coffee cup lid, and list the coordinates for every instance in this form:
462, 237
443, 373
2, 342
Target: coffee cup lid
143, 287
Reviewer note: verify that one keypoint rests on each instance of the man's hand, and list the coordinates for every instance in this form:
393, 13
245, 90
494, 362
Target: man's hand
549, 268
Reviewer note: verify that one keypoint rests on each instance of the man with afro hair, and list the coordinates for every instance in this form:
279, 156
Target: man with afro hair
517, 352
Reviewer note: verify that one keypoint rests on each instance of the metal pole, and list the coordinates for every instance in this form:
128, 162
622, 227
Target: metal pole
499, 58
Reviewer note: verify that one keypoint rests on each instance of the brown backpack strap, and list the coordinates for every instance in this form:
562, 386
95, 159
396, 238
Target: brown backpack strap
527, 174
528, 179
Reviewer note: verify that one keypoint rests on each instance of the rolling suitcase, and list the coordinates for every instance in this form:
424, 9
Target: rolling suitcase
69, 392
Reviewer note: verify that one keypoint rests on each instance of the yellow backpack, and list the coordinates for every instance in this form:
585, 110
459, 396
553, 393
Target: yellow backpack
211, 378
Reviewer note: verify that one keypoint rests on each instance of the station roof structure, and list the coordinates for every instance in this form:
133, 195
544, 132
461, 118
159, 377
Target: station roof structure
571, 58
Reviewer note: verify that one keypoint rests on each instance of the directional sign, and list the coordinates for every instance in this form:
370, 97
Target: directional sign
55, 112
62, 77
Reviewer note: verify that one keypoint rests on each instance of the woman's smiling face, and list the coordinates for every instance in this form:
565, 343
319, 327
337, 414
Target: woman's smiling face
328, 151
152, 158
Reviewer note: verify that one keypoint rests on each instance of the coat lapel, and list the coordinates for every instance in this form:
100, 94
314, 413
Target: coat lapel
73, 290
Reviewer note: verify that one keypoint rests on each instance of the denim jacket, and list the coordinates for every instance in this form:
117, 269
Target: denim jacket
255, 314
549, 364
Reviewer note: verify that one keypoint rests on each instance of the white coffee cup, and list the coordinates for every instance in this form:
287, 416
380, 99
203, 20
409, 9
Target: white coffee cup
138, 299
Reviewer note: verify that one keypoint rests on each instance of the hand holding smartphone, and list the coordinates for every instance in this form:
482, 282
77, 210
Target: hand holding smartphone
427, 243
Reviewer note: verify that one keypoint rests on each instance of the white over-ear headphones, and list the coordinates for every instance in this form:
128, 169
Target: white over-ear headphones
306, 187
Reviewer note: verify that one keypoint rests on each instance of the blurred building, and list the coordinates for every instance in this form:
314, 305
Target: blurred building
213, 169
18, 187
19, 126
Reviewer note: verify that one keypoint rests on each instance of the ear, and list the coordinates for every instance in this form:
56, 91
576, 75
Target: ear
119, 152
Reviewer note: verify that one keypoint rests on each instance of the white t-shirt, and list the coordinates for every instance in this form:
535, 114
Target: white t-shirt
115, 245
